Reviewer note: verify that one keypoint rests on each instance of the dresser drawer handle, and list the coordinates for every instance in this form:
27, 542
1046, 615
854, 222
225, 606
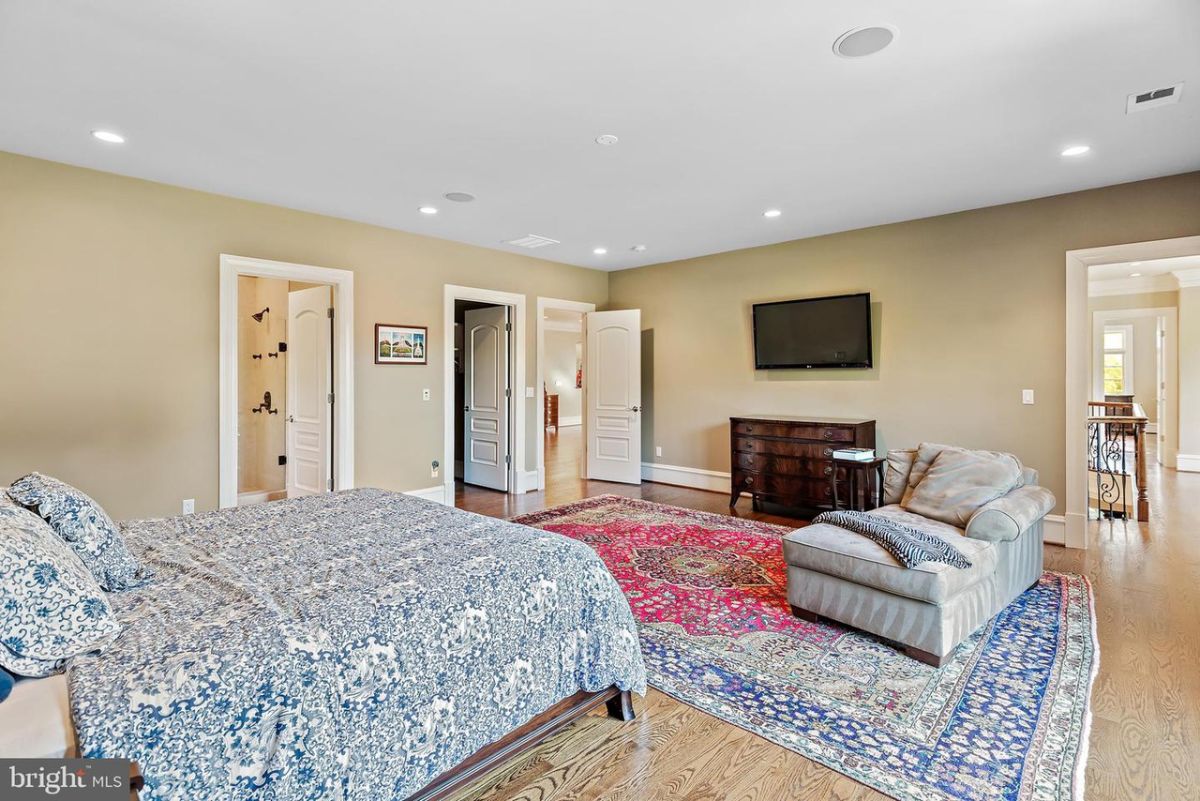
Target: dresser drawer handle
829, 451
828, 434
828, 470
749, 429
748, 480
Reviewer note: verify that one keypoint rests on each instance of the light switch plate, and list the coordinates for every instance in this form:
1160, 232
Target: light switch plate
529, 393
658, 450
1027, 397
189, 506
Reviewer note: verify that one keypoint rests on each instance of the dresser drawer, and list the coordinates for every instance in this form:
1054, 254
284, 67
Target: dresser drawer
788, 489
795, 431
784, 465
783, 447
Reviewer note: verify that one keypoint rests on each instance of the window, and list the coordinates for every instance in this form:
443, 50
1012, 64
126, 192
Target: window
1118, 359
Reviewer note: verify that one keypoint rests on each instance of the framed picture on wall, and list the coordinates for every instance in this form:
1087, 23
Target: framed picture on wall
400, 344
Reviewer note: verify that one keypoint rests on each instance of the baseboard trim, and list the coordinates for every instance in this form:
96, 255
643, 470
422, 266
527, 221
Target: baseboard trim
1187, 462
1054, 529
251, 498
436, 494
570, 421
694, 477
527, 481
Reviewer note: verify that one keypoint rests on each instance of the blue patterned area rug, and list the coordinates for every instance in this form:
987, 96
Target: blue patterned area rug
1006, 719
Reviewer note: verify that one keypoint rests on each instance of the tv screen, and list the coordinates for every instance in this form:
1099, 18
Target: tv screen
817, 332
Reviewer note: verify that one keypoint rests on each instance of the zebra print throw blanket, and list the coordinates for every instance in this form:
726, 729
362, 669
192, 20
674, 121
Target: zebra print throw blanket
909, 545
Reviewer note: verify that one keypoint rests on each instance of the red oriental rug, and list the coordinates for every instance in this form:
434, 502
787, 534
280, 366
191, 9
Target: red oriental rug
1006, 718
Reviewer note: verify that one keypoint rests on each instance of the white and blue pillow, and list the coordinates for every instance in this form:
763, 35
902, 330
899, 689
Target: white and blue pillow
88, 529
51, 607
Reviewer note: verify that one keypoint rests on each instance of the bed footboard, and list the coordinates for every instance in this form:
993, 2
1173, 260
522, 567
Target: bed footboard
618, 702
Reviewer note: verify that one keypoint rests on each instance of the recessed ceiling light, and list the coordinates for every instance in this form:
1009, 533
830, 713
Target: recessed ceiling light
110, 137
1076, 150
772, 213
1135, 275
638, 248
600, 251
459, 197
427, 210
606, 139
865, 41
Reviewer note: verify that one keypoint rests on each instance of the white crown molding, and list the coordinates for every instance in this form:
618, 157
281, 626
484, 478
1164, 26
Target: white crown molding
1188, 278
1162, 282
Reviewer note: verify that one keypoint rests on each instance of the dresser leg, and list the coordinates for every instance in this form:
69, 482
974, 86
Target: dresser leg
733, 498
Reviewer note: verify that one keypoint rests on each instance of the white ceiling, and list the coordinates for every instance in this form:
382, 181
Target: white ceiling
1110, 272
368, 110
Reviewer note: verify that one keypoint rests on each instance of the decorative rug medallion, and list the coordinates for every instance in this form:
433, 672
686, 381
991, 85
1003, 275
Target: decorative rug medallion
1006, 718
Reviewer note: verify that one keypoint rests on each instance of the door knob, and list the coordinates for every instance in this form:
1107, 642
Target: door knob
635, 408
466, 408
291, 419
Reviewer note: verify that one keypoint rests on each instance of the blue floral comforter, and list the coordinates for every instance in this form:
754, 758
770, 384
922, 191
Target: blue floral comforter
346, 646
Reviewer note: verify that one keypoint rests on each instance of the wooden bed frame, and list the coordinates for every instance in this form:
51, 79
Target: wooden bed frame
618, 701
566, 711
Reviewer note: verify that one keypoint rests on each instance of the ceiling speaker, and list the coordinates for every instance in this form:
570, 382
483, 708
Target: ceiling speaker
861, 42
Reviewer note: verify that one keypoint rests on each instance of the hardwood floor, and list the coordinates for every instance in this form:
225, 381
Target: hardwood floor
1145, 738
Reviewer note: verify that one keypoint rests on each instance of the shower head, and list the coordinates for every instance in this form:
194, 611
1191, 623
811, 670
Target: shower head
258, 317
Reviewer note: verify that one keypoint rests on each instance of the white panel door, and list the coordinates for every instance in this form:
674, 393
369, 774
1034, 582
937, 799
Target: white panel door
309, 411
612, 379
485, 392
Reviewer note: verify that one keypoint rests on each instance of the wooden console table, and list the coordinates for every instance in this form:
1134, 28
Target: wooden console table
789, 460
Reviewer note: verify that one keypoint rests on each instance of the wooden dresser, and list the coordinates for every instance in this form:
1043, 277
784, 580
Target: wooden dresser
788, 460
551, 420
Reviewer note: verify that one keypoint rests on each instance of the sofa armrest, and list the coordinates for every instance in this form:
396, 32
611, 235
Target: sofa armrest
1005, 518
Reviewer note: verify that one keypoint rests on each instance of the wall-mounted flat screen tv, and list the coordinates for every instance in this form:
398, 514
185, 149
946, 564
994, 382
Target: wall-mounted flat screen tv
813, 332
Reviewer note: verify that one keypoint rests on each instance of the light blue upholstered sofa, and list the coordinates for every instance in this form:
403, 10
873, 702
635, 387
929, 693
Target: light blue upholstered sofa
931, 608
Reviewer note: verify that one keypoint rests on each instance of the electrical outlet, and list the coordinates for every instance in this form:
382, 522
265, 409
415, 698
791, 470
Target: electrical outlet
425, 395
658, 450
189, 506
1027, 397
435, 468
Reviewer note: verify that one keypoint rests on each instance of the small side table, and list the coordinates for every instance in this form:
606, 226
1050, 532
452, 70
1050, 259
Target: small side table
868, 470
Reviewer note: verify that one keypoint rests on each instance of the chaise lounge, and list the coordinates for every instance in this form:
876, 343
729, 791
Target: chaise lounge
986, 504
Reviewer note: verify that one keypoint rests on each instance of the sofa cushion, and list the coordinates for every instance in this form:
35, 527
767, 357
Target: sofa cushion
1005, 518
845, 555
958, 483
895, 480
926, 453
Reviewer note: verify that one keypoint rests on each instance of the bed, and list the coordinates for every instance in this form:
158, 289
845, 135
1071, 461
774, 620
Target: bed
357, 645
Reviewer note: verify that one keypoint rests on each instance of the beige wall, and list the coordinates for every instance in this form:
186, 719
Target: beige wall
561, 349
969, 309
131, 268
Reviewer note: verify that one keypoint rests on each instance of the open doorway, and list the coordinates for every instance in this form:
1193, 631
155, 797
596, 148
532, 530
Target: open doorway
287, 389
1133, 405
560, 369
285, 379
1113, 291
483, 396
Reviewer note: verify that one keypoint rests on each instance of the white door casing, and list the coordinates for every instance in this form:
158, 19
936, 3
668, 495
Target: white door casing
613, 395
309, 411
1160, 386
486, 397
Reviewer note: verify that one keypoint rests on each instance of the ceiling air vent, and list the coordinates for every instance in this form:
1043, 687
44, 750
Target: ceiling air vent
1154, 98
532, 241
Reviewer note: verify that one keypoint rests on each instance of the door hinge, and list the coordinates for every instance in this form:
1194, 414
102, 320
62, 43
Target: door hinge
508, 326
507, 392
282, 461
330, 398
329, 484
330, 312
507, 459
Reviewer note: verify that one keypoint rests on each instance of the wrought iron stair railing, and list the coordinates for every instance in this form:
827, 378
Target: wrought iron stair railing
1116, 470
